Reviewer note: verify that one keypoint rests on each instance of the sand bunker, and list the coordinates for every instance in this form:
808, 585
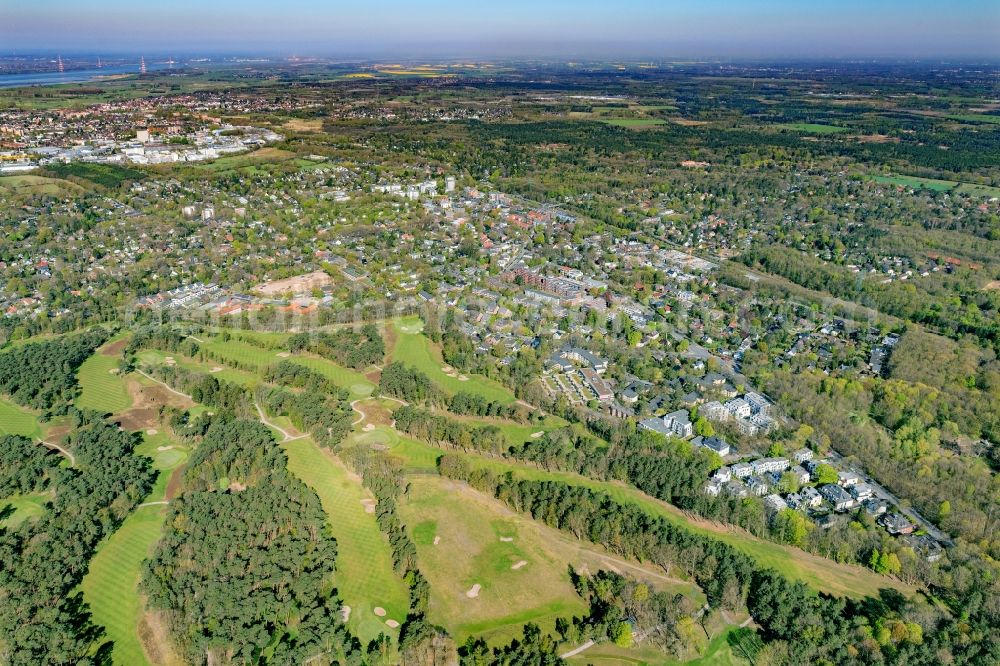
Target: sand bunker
446, 369
517, 565
379, 611
536, 435
369, 505
169, 360
283, 354
216, 369
164, 448
463, 378
437, 540
345, 613
506, 539
392, 624
473, 591
113, 371
152, 431
368, 427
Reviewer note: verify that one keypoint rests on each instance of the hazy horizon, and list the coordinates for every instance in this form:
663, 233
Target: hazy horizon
780, 29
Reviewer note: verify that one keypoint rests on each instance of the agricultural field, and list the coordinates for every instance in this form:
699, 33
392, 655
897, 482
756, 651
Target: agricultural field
15, 420
413, 348
365, 577
101, 388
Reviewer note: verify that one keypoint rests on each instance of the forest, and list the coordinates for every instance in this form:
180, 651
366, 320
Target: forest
243, 514
43, 618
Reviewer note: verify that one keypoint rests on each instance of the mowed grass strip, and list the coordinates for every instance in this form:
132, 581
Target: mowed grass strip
101, 387
414, 348
15, 420
365, 576
820, 573
111, 584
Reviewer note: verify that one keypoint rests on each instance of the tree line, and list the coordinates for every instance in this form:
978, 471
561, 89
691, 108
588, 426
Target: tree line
795, 622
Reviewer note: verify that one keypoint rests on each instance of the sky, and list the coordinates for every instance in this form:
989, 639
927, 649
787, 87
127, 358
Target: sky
508, 28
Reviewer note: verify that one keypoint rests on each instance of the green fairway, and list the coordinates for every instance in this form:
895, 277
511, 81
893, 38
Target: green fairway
414, 348
101, 388
219, 371
811, 128
242, 353
15, 420
976, 118
634, 122
937, 185
111, 584
365, 577
820, 573
522, 576
352, 380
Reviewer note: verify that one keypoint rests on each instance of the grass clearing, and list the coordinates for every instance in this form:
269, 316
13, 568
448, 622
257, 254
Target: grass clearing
365, 577
811, 128
26, 507
15, 420
414, 348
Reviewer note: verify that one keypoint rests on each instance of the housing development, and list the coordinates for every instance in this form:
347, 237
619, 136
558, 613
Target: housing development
309, 361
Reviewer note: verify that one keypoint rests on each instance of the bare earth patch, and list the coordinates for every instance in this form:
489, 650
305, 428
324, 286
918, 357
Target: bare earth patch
991, 285
155, 640
474, 591
115, 348
517, 565
236, 486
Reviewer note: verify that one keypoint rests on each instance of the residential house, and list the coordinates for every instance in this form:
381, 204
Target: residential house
895, 523
837, 496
